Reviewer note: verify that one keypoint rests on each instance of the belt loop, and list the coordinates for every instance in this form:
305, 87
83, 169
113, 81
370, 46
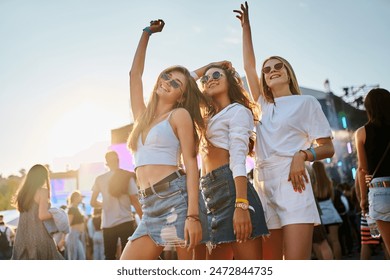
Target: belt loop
178, 173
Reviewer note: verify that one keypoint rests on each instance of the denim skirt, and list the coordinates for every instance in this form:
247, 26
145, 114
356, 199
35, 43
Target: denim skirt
219, 194
164, 215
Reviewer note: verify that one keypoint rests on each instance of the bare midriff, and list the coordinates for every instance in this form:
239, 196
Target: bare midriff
149, 175
214, 158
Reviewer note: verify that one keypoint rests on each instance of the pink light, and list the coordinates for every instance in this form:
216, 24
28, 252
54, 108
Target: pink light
349, 147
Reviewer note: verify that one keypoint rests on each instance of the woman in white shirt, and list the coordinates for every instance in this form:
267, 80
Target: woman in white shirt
290, 124
234, 212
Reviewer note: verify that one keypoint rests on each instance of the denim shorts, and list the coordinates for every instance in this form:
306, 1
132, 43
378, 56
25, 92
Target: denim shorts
329, 214
379, 201
219, 194
164, 215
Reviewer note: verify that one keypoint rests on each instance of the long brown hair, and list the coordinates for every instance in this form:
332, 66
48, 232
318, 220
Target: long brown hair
293, 84
377, 104
36, 177
324, 187
193, 100
237, 94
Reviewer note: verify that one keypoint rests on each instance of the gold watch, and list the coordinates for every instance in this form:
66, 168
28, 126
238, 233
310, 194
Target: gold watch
242, 205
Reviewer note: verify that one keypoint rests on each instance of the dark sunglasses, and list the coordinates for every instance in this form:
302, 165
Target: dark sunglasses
215, 76
173, 83
277, 66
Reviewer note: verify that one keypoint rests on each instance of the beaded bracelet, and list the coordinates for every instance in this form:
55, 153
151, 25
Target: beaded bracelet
147, 29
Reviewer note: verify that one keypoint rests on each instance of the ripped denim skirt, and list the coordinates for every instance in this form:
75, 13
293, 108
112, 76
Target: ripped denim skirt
164, 214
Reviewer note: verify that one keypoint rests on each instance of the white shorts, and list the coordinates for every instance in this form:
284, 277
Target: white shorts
282, 205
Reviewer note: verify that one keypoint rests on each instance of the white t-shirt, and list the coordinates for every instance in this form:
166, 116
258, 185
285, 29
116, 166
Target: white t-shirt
115, 211
230, 129
290, 124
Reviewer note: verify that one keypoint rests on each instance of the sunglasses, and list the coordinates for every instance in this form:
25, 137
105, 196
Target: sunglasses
173, 83
277, 66
215, 76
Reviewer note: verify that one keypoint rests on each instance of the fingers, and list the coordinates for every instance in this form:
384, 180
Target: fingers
192, 234
298, 182
242, 225
243, 232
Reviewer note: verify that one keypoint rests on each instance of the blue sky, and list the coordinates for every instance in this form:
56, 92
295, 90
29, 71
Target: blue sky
64, 64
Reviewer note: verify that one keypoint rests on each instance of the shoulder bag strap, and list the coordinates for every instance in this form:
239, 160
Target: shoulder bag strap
380, 162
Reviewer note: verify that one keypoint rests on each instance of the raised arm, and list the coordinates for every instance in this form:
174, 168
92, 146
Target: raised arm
137, 68
248, 52
198, 73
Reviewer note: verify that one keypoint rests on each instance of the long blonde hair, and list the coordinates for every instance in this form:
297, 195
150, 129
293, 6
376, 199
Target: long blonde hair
193, 100
293, 82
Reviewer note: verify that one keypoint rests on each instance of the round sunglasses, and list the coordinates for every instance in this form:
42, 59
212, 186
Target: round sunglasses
214, 76
268, 69
173, 83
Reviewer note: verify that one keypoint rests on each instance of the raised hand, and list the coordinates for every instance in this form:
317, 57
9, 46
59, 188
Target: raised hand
156, 25
243, 14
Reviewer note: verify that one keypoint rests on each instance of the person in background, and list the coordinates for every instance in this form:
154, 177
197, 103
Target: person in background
32, 240
96, 233
321, 247
324, 193
119, 193
165, 131
7, 235
373, 151
75, 239
292, 130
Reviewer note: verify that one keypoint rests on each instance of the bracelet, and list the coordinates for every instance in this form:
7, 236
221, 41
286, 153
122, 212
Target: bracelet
311, 149
242, 200
147, 29
193, 218
306, 155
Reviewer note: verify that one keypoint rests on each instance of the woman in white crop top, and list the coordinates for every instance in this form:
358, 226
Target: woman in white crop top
234, 212
168, 124
289, 125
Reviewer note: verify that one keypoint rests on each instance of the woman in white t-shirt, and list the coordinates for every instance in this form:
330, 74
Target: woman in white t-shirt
289, 126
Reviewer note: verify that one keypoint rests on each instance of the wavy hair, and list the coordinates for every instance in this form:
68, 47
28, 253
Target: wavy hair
237, 94
293, 82
36, 177
193, 101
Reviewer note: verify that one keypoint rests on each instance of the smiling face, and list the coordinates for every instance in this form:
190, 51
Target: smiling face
171, 85
275, 73
214, 82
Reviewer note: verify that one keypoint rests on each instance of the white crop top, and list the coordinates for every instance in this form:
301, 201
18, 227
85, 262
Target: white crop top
161, 146
230, 129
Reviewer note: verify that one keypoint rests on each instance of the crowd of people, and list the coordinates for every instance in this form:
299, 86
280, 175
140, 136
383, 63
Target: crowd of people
291, 209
